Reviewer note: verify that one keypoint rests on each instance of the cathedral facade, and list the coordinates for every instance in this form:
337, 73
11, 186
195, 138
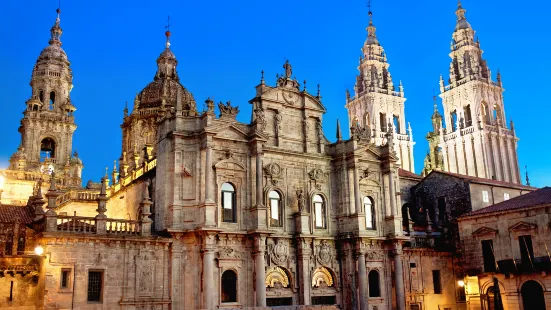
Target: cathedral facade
206, 212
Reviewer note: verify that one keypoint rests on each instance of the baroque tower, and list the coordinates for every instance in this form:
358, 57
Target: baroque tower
46, 128
165, 94
377, 106
475, 140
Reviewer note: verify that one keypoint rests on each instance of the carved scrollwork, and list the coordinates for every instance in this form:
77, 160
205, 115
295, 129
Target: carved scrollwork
273, 171
229, 253
374, 256
324, 253
280, 252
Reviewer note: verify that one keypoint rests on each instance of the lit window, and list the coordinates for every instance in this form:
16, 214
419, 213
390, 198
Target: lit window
369, 213
485, 197
319, 211
506, 196
275, 209
228, 203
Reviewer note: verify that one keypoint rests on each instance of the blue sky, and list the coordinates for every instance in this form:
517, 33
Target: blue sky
222, 46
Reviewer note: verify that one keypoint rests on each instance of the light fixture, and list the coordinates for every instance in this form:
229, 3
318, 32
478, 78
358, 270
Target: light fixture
461, 283
39, 250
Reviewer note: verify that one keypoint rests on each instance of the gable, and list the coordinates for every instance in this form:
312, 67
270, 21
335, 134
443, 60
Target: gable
230, 132
484, 231
522, 226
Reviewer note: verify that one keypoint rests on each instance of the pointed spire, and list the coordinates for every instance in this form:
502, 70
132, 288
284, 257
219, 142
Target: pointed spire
527, 178
371, 29
126, 109
339, 133
319, 93
262, 77
167, 33
304, 89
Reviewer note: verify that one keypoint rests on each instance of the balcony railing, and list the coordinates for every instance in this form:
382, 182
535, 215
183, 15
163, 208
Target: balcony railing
517, 266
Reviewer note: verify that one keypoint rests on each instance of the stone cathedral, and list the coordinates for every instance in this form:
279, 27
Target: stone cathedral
205, 212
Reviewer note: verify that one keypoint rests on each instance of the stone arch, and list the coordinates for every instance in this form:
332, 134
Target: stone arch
374, 283
281, 206
48, 147
229, 286
532, 293
325, 209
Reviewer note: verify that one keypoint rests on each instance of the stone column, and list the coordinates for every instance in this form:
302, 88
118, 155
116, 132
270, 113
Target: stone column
51, 215
260, 271
392, 192
208, 173
209, 294
176, 279
304, 253
357, 196
102, 208
399, 278
362, 276
259, 179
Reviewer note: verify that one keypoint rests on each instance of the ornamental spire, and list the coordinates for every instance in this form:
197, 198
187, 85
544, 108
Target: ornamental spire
167, 33
461, 19
56, 31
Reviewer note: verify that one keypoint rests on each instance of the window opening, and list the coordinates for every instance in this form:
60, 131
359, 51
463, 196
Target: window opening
95, 283
229, 286
47, 149
276, 219
319, 211
374, 284
396, 121
382, 121
228, 203
65, 273
488, 256
453, 118
369, 213
52, 100
485, 197
436, 281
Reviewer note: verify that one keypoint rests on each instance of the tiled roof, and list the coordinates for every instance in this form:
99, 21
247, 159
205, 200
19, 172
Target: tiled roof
486, 181
532, 199
11, 214
408, 174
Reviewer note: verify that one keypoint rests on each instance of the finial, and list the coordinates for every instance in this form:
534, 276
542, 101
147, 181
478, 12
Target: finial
167, 33
126, 109
115, 165
527, 178
262, 77
339, 134
319, 92
369, 13
52, 181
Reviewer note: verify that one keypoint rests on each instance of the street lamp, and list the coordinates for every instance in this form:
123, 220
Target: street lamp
38, 250
461, 283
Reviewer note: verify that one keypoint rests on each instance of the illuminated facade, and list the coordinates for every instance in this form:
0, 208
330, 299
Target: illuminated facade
206, 212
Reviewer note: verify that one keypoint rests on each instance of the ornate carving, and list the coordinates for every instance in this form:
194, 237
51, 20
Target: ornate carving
227, 109
144, 274
301, 199
229, 253
260, 119
322, 278
324, 253
374, 256
276, 277
316, 174
273, 171
360, 133
280, 252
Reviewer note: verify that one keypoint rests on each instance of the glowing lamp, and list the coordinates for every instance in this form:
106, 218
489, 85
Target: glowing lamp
39, 250
461, 283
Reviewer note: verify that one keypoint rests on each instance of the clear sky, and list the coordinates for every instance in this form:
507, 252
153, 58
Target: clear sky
222, 46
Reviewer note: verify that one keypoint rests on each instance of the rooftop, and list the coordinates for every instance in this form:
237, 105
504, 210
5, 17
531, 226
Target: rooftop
12, 214
486, 181
532, 199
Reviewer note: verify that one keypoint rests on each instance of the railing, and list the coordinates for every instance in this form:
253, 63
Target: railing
122, 227
76, 224
73, 195
421, 242
517, 266
467, 130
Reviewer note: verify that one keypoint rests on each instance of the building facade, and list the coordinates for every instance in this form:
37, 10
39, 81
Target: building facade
206, 212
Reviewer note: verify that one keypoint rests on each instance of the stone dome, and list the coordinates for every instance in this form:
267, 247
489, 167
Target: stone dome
53, 52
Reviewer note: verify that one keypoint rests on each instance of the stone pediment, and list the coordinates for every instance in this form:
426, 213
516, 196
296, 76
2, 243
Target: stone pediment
522, 226
231, 132
229, 164
483, 231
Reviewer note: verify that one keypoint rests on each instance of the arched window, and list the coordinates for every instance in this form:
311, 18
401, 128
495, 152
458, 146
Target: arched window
369, 213
276, 212
468, 116
47, 149
319, 211
41, 96
453, 120
228, 203
229, 286
374, 284
52, 100
396, 121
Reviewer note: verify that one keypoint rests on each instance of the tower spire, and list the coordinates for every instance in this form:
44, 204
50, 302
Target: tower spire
167, 33
56, 30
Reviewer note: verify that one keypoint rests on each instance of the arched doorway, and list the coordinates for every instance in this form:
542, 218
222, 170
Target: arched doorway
532, 296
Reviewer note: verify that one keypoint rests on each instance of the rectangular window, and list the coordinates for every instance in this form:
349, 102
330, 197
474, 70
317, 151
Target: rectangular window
526, 250
436, 282
485, 196
65, 278
95, 286
368, 219
506, 196
274, 207
319, 214
488, 256
228, 200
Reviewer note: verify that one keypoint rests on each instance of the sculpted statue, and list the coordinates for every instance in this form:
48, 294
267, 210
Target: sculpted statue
301, 200
288, 69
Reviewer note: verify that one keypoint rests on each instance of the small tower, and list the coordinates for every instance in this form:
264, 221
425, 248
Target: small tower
378, 102
475, 140
433, 159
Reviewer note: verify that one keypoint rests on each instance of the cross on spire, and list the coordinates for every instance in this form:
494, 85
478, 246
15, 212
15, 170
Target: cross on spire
167, 33
369, 8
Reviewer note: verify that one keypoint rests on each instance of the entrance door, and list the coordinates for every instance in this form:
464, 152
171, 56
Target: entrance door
532, 296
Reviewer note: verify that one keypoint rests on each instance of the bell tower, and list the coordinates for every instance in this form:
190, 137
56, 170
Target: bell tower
48, 123
378, 105
475, 140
